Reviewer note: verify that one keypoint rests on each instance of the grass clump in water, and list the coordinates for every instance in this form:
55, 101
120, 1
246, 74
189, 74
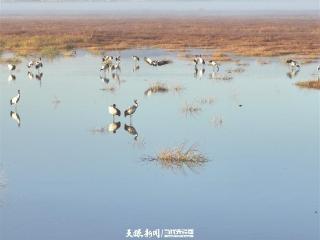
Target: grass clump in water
191, 108
156, 88
179, 157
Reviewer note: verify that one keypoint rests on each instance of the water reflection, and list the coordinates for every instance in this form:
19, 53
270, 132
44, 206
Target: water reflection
135, 68
11, 78
199, 72
16, 117
114, 126
293, 73
55, 102
131, 130
104, 79
30, 75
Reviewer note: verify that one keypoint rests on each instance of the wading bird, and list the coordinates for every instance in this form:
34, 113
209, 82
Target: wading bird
135, 59
113, 110
30, 64
293, 63
199, 60
11, 67
214, 65
156, 62
131, 110
38, 64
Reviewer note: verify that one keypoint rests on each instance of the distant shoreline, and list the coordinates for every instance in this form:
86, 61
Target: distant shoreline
244, 36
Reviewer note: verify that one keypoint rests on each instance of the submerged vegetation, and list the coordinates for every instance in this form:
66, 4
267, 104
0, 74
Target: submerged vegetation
315, 84
179, 157
191, 108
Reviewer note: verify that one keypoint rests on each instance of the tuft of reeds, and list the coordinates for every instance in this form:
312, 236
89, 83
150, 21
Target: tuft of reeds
236, 70
179, 157
191, 108
177, 88
108, 89
224, 77
157, 87
315, 84
206, 100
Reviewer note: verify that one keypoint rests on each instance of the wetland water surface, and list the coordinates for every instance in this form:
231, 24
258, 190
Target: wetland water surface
67, 177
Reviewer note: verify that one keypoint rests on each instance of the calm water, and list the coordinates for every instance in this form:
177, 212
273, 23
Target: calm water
65, 181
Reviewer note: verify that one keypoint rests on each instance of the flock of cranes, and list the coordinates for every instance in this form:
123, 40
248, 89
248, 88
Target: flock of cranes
111, 63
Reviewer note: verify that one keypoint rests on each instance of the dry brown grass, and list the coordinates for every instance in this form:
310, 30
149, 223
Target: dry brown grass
298, 36
236, 70
177, 88
179, 157
206, 100
221, 57
315, 84
157, 87
11, 60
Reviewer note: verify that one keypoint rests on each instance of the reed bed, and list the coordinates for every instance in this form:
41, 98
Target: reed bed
261, 36
314, 84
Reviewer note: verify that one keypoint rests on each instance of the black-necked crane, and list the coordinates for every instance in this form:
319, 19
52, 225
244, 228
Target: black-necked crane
293, 63
15, 116
214, 65
11, 67
131, 130
114, 111
199, 60
38, 64
131, 110
135, 59
15, 99
30, 64
157, 62
149, 61
114, 126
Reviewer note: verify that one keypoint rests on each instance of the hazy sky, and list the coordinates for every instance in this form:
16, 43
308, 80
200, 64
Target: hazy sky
152, 6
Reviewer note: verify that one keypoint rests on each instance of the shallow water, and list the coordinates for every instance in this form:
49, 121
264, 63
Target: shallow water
64, 180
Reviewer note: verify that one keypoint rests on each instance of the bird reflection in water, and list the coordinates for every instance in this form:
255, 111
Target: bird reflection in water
131, 130
16, 117
114, 126
136, 68
293, 73
198, 72
11, 78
